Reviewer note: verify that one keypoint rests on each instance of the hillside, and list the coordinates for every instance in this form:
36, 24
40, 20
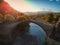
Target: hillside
8, 13
5, 8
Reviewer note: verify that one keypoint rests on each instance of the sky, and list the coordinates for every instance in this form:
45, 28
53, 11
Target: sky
35, 5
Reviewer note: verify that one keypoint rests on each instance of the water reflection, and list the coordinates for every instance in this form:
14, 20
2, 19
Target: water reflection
34, 36
37, 31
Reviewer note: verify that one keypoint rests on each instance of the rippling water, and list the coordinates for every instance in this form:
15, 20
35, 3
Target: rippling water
37, 31
34, 36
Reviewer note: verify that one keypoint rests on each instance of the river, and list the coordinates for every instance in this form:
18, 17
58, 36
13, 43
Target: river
34, 36
37, 31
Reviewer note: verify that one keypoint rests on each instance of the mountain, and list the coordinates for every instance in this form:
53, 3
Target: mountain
40, 12
5, 8
43, 12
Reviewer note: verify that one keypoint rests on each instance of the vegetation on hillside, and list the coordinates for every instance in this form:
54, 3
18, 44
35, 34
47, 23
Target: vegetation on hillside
11, 18
48, 17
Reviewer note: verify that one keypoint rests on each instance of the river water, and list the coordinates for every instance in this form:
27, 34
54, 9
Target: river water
34, 36
39, 32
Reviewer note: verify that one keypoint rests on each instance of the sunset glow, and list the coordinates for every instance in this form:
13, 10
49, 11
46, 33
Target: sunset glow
35, 5
21, 6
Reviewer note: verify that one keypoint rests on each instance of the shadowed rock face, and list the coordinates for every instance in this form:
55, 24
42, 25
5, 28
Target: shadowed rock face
30, 37
5, 33
6, 28
26, 40
8, 32
57, 34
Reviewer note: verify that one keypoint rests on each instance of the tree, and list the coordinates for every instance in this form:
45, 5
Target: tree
51, 18
23, 17
57, 18
9, 17
1, 18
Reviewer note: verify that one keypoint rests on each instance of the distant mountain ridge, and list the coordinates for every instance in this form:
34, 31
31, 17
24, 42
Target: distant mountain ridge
40, 12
